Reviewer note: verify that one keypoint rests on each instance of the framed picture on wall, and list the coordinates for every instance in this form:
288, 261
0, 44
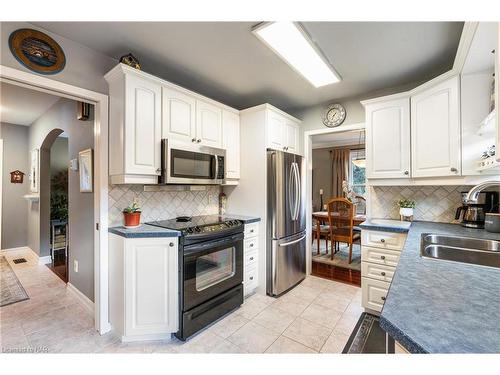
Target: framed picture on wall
86, 171
34, 171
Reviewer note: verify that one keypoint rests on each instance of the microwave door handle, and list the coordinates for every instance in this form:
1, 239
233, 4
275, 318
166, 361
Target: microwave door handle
215, 164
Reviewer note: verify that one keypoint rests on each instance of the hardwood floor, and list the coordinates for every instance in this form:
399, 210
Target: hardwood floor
335, 273
59, 265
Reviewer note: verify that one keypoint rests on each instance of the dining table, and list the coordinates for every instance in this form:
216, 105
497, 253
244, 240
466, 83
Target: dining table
321, 217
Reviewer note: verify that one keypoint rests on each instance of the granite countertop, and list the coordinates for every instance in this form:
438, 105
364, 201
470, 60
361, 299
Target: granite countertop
144, 231
386, 225
243, 218
436, 306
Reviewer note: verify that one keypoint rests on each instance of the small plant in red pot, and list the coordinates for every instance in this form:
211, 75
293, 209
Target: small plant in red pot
132, 215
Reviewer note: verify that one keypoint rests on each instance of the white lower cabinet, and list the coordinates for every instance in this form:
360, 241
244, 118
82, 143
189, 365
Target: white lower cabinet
380, 253
143, 285
251, 258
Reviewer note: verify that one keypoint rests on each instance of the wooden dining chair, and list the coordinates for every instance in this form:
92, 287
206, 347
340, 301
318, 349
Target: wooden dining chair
341, 223
324, 232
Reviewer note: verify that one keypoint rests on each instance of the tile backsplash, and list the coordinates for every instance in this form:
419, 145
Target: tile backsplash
433, 203
160, 205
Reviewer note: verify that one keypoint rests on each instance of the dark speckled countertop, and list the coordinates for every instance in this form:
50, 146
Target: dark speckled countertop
436, 306
144, 231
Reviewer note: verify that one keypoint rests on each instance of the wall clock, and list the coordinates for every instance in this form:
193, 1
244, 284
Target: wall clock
334, 115
37, 51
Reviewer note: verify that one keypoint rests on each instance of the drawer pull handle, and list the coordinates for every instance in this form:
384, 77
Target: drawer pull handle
171, 244
382, 257
382, 240
382, 273
251, 277
251, 258
383, 298
251, 230
251, 245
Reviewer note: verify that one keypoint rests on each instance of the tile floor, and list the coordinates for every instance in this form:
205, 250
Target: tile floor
315, 317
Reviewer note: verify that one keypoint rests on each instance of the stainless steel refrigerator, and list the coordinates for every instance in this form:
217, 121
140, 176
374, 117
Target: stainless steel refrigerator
286, 235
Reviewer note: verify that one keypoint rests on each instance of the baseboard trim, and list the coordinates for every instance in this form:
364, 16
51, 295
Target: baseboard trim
82, 298
45, 260
16, 249
151, 337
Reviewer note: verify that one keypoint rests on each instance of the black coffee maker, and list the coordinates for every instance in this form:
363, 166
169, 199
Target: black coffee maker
473, 215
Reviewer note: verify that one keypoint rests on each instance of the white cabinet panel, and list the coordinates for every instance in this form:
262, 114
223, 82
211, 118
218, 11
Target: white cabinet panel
380, 256
275, 130
142, 126
373, 293
388, 139
231, 142
385, 240
179, 115
291, 137
435, 131
151, 286
208, 124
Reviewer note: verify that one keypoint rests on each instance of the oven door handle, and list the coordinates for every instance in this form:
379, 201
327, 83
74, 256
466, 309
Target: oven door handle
203, 247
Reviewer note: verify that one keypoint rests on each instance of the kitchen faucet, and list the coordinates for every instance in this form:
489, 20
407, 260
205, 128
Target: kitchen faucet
473, 193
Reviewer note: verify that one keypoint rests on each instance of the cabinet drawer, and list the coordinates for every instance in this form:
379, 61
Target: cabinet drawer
251, 243
251, 230
384, 240
251, 258
379, 256
250, 279
377, 271
374, 293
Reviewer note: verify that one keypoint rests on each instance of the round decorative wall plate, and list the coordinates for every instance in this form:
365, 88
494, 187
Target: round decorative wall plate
37, 51
334, 115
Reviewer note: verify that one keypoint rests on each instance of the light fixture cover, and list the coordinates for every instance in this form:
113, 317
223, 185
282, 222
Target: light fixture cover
292, 44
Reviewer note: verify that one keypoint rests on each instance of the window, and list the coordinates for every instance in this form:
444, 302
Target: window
357, 172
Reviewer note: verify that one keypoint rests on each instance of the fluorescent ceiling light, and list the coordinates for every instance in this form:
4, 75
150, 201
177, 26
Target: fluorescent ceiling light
291, 43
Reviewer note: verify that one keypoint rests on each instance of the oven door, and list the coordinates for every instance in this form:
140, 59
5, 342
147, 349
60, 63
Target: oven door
211, 268
185, 163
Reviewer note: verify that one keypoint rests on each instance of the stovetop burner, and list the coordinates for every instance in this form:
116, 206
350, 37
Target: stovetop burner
197, 225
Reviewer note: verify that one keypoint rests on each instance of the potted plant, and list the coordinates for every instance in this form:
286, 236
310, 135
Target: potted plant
406, 207
132, 215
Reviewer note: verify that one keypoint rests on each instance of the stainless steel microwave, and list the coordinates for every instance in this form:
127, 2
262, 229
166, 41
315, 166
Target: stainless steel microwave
186, 163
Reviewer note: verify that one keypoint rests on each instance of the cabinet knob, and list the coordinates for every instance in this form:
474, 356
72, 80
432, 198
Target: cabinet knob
193, 139
251, 258
251, 230
407, 173
453, 169
382, 273
158, 170
171, 244
251, 277
383, 298
382, 240
251, 245
198, 140
382, 257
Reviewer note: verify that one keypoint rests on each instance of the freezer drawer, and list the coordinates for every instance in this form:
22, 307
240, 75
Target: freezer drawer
286, 263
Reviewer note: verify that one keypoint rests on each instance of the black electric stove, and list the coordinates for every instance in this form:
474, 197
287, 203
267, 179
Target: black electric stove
211, 269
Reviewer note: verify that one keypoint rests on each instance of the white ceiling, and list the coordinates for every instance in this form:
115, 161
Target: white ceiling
225, 61
339, 139
22, 106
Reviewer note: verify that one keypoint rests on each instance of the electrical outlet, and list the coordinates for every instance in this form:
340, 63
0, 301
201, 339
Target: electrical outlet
210, 200
75, 265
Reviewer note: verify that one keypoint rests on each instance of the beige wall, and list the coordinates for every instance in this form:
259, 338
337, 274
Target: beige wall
14, 206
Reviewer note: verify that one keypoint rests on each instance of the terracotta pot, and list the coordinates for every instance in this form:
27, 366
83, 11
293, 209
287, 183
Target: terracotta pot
132, 219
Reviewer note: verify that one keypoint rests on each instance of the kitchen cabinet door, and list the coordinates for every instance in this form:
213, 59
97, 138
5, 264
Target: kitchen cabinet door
388, 139
291, 137
208, 124
151, 285
275, 131
142, 126
435, 131
179, 115
231, 142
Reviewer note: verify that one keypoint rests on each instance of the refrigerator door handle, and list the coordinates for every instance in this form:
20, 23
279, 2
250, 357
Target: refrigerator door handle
297, 192
291, 183
292, 242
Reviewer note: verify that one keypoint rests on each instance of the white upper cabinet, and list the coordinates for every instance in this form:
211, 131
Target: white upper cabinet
435, 131
208, 124
231, 142
388, 139
179, 115
282, 133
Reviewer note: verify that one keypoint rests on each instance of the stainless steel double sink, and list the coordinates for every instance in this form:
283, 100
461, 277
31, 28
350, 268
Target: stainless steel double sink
461, 249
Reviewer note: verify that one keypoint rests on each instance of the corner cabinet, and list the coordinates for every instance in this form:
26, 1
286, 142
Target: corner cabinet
144, 290
231, 142
388, 139
282, 132
435, 131
135, 128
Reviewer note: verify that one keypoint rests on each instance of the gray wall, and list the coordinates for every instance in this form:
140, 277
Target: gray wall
84, 67
59, 157
322, 176
14, 206
81, 214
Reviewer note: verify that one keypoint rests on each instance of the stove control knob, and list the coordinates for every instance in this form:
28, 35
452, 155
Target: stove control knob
197, 229
189, 230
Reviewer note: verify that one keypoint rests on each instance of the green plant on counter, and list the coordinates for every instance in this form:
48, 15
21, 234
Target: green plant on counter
133, 208
406, 203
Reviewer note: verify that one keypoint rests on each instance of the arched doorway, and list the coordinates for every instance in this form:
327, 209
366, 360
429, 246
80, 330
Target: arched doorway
54, 236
